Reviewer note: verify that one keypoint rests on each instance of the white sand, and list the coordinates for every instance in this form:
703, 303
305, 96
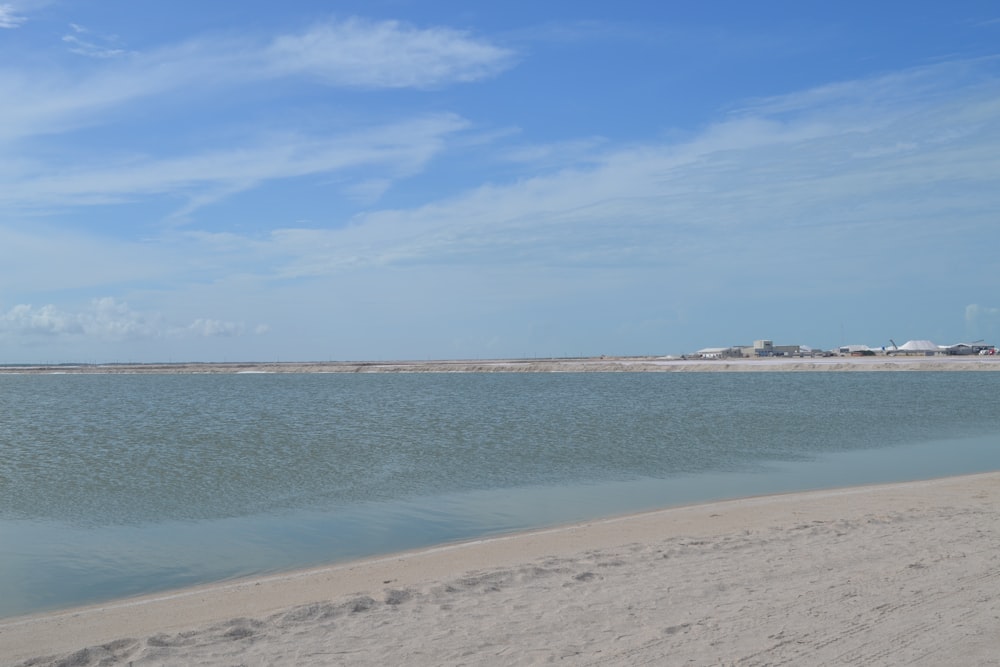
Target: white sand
882, 575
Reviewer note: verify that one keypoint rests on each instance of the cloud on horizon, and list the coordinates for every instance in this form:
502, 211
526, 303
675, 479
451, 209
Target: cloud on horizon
107, 319
833, 191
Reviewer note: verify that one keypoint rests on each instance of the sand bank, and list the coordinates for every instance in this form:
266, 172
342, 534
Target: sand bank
575, 365
892, 574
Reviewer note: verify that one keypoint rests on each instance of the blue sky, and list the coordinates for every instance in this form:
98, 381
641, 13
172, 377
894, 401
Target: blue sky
416, 180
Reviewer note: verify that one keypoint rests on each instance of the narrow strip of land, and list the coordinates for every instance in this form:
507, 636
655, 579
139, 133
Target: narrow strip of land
571, 365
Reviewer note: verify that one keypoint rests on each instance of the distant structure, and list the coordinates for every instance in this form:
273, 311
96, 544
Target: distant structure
760, 348
927, 348
918, 348
978, 347
766, 348
855, 350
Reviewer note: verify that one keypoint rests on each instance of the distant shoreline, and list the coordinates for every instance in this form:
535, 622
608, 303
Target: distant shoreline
539, 365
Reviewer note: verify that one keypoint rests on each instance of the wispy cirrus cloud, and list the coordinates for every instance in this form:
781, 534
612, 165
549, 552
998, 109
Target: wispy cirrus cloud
352, 53
112, 84
85, 43
869, 97
852, 189
798, 181
802, 185
9, 18
397, 149
386, 54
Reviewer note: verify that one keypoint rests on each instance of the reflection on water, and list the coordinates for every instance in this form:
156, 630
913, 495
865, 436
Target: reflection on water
60, 565
114, 486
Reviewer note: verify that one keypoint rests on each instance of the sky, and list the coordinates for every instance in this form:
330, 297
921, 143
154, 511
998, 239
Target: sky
397, 179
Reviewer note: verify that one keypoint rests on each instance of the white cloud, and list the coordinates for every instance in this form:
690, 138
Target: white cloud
347, 53
27, 319
801, 188
385, 54
824, 199
399, 150
9, 17
864, 97
57, 102
93, 45
351, 53
107, 319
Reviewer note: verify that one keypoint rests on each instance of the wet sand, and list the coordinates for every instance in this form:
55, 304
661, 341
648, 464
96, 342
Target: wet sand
892, 574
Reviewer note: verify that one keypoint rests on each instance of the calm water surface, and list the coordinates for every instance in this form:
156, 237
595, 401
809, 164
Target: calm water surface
114, 485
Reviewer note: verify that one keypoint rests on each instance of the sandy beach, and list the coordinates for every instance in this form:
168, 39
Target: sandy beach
903, 573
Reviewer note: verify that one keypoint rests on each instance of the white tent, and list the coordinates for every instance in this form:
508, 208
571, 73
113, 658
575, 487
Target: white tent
918, 346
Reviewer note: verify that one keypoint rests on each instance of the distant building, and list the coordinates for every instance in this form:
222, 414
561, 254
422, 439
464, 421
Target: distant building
969, 348
767, 348
760, 348
718, 352
918, 348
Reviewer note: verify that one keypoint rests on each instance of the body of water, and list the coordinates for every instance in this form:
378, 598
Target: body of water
115, 485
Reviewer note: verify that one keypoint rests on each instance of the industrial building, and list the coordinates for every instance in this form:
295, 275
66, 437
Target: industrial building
760, 348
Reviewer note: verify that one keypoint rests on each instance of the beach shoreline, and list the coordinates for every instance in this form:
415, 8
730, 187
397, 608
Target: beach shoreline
540, 365
851, 572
